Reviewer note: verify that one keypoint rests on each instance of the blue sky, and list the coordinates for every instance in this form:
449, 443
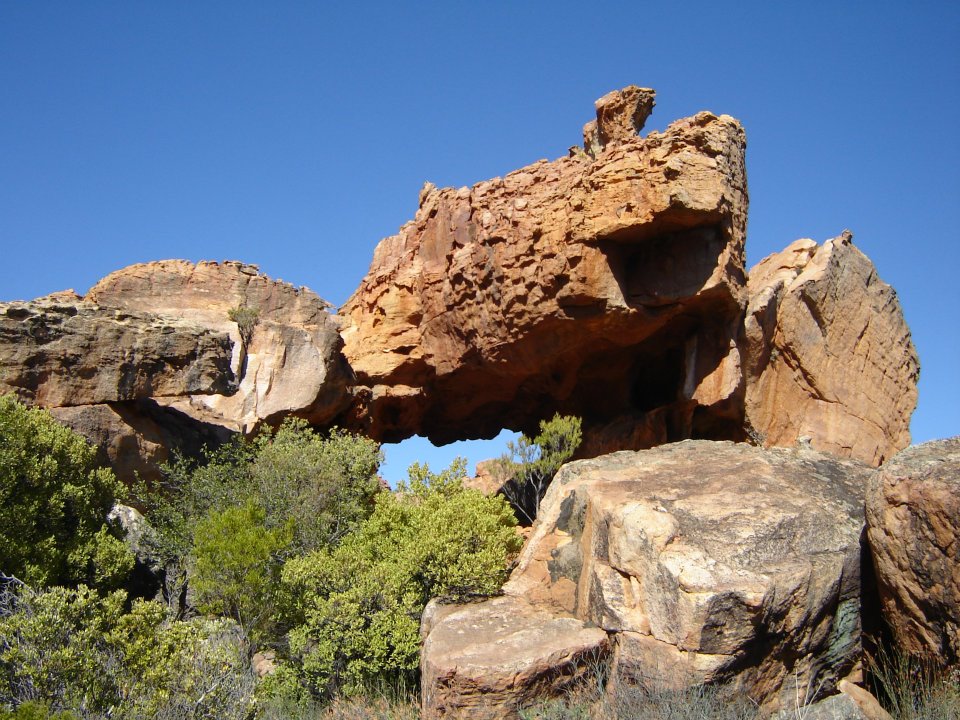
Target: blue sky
295, 135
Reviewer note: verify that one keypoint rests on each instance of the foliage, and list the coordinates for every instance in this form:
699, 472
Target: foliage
74, 650
53, 504
314, 487
246, 319
355, 609
32, 710
528, 466
235, 565
914, 689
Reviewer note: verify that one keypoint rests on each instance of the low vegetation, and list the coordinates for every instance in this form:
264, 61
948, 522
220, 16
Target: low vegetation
285, 543
54, 502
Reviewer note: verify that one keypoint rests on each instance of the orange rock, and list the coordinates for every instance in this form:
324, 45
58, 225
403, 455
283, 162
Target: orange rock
829, 355
605, 288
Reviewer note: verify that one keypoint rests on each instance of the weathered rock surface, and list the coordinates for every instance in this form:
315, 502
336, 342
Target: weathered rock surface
59, 351
709, 562
913, 518
291, 363
136, 438
621, 115
150, 361
605, 288
828, 353
485, 660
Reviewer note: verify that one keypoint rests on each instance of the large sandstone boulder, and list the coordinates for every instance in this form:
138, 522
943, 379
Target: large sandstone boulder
153, 359
60, 351
291, 362
708, 562
828, 353
607, 287
485, 660
913, 524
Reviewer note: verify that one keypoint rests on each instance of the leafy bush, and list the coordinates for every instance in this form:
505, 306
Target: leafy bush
235, 565
54, 503
74, 650
528, 466
315, 488
355, 609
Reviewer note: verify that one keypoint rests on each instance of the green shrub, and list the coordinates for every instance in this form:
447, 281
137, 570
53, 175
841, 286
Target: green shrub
54, 503
235, 565
246, 319
528, 466
32, 710
74, 650
355, 609
316, 487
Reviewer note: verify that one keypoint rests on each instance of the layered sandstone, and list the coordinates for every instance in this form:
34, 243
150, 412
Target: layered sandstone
708, 562
61, 351
913, 517
607, 287
290, 364
153, 359
828, 353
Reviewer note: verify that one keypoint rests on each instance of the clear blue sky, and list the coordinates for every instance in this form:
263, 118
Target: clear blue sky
296, 134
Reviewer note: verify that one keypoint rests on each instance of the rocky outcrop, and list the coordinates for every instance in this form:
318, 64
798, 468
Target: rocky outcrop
60, 351
136, 438
484, 660
608, 287
288, 359
170, 355
828, 353
708, 562
913, 517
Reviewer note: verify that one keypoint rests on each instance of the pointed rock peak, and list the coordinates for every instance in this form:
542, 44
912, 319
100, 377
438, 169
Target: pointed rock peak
620, 116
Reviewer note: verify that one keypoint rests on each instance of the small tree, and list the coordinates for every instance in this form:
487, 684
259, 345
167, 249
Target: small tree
528, 466
235, 565
317, 487
246, 319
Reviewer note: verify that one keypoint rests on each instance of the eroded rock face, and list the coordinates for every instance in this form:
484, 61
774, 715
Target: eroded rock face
605, 288
913, 517
150, 361
136, 438
708, 562
485, 660
290, 365
828, 353
59, 351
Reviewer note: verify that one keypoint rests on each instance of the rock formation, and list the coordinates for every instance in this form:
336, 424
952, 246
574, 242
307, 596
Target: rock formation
150, 359
58, 350
828, 354
705, 562
290, 363
609, 285
913, 517
483, 661
607, 288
